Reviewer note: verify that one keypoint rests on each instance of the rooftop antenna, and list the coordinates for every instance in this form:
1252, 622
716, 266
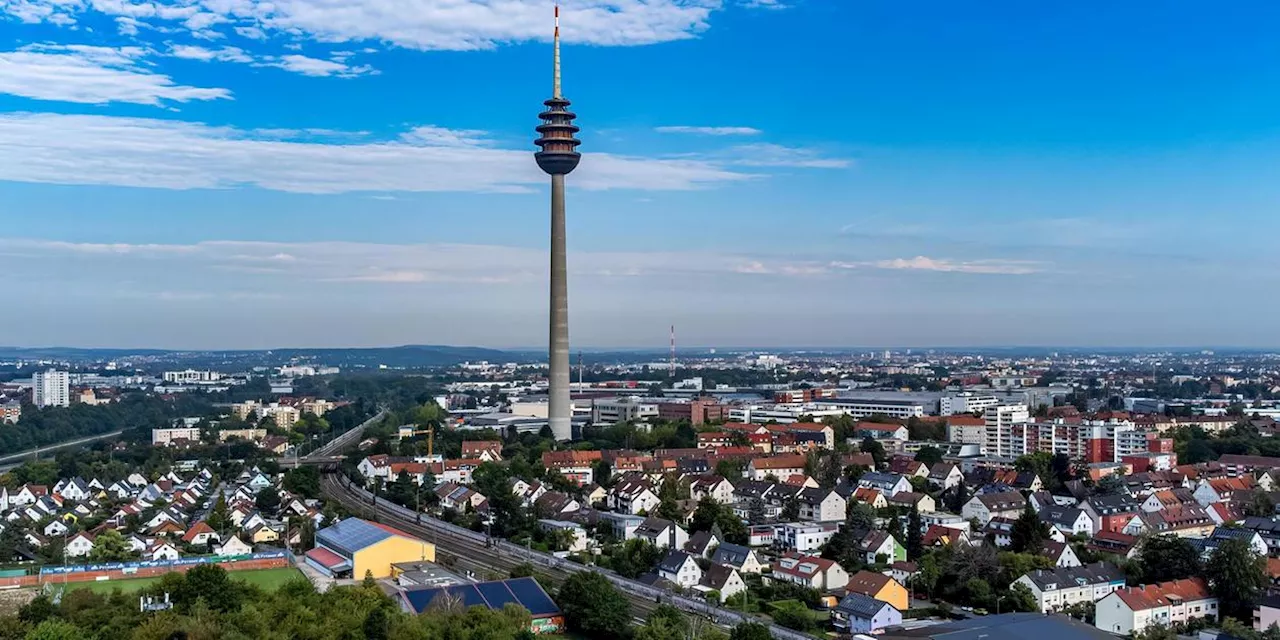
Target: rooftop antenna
555, 93
581, 368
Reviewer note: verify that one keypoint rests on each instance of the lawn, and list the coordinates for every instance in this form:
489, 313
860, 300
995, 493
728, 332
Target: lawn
268, 579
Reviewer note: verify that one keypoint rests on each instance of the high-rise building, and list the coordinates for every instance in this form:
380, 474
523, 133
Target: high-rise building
52, 388
557, 156
999, 423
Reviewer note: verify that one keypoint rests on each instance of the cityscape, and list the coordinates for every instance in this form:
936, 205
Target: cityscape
897, 338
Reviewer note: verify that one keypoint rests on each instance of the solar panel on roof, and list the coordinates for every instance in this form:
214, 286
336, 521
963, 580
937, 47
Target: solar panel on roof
496, 594
531, 595
352, 535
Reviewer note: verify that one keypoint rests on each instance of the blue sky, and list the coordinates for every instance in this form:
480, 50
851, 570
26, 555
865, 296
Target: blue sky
238, 173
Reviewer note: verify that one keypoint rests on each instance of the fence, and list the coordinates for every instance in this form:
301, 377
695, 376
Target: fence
145, 569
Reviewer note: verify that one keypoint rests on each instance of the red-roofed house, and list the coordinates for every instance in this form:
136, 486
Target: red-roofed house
200, 534
810, 571
1134, 609
782, 466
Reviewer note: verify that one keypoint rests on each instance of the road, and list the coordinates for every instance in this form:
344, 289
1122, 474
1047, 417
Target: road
470, 552
12, 460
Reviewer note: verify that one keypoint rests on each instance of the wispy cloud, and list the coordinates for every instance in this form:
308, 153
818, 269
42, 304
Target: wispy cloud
92, 75
766, 154
166, 154
922, 263
427, 24
710, 131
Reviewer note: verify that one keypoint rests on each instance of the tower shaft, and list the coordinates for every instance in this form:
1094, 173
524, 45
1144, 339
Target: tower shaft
559, 412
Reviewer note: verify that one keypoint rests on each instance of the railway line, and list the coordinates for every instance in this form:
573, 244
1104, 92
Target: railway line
473, 551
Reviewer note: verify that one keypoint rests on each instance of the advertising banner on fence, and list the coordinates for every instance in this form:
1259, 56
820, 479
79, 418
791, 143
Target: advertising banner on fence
159, 564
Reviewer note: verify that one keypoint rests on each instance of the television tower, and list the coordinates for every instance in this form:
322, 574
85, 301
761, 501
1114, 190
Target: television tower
673, 351
557, 156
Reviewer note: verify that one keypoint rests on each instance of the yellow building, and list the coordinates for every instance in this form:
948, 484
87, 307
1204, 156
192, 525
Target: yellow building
880, 587
353, 547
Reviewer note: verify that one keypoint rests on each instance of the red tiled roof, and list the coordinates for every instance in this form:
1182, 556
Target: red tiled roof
393, 530
325, 557
779, 462
1160, 595
964, 420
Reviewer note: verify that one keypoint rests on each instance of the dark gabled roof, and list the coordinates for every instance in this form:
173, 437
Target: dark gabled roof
716, 576
1112, 503
1224, 533
1003, 501
861, 606
1096, 573
813, 495
731, 554
673, 561
699, 542
1262, 525
1062, 516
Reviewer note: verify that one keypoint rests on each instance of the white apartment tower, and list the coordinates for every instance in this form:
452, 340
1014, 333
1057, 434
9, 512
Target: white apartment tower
1000, 420
52, 388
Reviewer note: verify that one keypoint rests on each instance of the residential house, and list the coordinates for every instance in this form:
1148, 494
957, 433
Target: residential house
711, 486
886, 483
680, 568
873, 497
821, 505
1006, 504
1060, 553
944, 475
233, 546
908, 500
200, 534
634, 495
908, 466
722, 579
702, 544
1209, 491
805, 537
486, 450
744, 559
1068, 520
1057, 589
862, 614
576, 466
879, 431
1267, 614
1115, 543
880, 587
810, 571
877, 545
663, 534
778, 466
1187, 521
161, 550
79, 545
1132, 610
575, 536
1163, 498
1110, 512
554, 504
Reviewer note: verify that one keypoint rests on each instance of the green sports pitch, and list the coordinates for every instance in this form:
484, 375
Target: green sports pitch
268, 579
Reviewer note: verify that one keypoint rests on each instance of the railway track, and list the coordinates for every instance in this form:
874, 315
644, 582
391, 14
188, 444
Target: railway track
474, 552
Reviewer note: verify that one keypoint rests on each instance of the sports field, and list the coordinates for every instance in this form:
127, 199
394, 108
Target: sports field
268, 579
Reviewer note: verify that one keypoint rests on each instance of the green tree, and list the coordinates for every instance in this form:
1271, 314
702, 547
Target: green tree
1156, 632
218, 516
1167, 557
1029, 531
56, 629
710, 513
1020, 598
109, 546
303, 481
1237, 576
929, 455
1260, 505
750, 631
860, 515
871, 446
795, 616
1110, 485
915, 537
267, 500
955, 497
593, 606
665, 623
790, 509
210, 583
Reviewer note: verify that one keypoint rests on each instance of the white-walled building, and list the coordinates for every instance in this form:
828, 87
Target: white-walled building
1058, 589
51, 388
1134, 609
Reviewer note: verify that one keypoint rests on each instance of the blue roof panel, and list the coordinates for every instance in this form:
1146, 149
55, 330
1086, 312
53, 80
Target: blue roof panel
531, 595
351, 535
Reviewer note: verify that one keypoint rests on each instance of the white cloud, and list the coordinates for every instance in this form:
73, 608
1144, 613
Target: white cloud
308, 66
166, 154
710, 131
766, 154
92, 75
419, 24
203, 54
922, 263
